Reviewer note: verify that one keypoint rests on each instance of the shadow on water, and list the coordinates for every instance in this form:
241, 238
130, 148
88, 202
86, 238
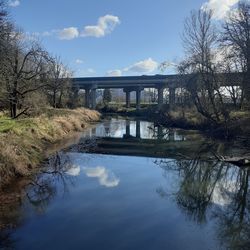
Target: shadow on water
204, 188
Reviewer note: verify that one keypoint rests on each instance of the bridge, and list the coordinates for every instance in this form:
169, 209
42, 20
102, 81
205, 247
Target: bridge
138, 84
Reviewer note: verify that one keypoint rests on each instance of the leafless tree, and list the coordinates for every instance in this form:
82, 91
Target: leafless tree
58, 84
23, 71
237, 36
200, 41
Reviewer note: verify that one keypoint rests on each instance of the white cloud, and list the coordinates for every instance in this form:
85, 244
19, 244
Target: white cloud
141, 67
79, 61
73, 170
105, 25
116, 72
105, 177
68, 33
220, 8
145, 66
14, 3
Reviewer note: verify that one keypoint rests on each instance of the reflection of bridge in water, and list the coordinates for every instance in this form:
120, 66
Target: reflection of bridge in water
158, 132
156, 141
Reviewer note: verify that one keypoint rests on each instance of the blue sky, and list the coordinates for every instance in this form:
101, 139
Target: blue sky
111, 37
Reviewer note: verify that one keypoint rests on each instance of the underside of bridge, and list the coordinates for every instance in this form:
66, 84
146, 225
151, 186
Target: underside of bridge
128, 84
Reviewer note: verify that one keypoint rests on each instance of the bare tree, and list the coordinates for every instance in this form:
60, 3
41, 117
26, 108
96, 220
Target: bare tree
23, 71
237, 36
58, 84
200, 41
26, 68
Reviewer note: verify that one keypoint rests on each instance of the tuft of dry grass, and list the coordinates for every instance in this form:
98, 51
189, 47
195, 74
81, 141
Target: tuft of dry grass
23, 142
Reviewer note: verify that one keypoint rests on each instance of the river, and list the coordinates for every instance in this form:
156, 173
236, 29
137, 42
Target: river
127, 184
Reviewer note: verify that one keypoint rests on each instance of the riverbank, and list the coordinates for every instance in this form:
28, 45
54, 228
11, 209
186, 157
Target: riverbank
24, 142
237, 127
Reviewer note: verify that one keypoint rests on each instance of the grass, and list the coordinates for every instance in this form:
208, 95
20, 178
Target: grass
23, 142
6, 124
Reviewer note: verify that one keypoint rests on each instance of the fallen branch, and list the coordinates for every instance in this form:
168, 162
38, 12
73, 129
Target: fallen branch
242, 161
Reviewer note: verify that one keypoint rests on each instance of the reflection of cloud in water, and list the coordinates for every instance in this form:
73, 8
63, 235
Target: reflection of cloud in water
73, 170
222, 193
106, 178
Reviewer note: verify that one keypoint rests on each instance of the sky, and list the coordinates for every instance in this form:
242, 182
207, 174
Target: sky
112, 37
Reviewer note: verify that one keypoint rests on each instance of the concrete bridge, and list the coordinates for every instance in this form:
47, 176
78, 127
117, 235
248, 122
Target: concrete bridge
138, 84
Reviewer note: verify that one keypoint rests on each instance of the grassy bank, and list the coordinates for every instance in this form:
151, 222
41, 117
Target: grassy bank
23, 142
238, 125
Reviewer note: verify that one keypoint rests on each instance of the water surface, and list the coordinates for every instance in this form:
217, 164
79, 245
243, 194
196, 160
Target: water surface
135, 186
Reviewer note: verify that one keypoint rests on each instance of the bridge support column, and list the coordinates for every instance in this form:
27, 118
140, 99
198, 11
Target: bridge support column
171, 97
138, 130
127, 129
87, 97
160, 97
127, 99
93, 98
138, 99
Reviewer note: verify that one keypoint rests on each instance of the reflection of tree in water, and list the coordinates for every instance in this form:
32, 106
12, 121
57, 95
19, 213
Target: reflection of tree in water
197, 187
212, 189
234, 219
45, 186
37, 193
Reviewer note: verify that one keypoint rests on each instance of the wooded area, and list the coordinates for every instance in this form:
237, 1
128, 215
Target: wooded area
30, 77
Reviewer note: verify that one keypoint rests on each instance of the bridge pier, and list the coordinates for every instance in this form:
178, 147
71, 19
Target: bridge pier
171, 97
127, 99
127, 129
138, 99
93, 98
87, 95
138, 130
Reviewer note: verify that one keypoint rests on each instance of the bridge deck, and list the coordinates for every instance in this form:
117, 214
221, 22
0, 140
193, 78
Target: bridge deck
153, 81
